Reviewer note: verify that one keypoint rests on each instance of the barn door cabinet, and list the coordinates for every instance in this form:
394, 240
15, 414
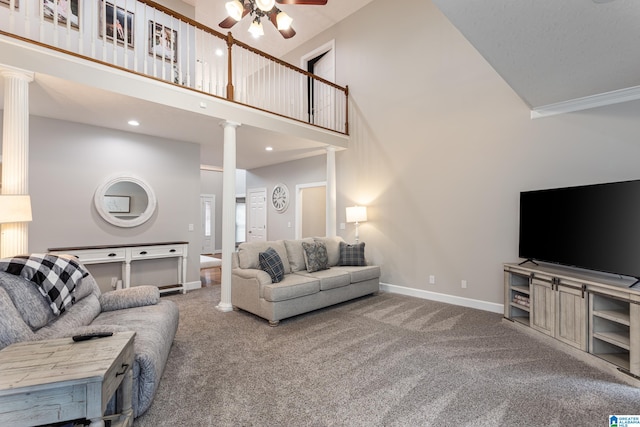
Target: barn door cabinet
594, 313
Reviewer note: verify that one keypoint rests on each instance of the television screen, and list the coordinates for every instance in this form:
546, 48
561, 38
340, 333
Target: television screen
595, 227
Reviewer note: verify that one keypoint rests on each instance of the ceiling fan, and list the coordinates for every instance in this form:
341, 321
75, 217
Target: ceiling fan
258, 9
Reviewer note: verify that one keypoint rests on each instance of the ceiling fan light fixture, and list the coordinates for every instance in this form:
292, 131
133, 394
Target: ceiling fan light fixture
284, 21
256, 29
265, 5
234, 9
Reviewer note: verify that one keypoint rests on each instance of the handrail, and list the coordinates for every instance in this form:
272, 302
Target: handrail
251, 77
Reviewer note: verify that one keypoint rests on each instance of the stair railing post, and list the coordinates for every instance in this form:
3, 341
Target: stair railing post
230, 67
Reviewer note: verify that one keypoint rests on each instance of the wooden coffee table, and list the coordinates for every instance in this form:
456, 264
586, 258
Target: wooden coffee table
48, 381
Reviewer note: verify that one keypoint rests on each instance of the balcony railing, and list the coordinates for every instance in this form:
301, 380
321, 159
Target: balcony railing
143, 37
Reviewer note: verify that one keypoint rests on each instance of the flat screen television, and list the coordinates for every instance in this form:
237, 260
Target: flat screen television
594, 227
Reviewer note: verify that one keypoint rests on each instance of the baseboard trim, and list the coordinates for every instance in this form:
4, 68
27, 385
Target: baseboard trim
189, 286
450, 299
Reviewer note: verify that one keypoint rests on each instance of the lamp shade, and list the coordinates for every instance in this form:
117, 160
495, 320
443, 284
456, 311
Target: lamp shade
256, 29
283, 20
357, 214
265, 5
15, 208
234, 9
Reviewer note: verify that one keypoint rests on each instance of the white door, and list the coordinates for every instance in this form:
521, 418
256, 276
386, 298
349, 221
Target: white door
257, 215
208, 218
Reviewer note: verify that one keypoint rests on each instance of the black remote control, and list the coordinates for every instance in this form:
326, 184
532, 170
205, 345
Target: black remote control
88, 336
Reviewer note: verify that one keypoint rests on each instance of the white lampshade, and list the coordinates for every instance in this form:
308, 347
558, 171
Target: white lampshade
265, 5
256, 29
15, 208
284, 21
357, 214
235, 9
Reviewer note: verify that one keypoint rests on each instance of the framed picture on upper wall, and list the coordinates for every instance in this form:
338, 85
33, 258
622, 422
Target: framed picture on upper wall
8, 3
65, 9
121, 24
163, 41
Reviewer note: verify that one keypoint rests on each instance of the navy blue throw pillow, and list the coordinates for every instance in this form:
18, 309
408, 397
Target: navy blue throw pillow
271, 263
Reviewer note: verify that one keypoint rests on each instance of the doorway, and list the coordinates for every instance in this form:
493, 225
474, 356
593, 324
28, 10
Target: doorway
320, 99
257, 215
311, 210
208, 219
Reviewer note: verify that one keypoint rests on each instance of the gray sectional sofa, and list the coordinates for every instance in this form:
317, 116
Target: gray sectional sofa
26, 315
300, 291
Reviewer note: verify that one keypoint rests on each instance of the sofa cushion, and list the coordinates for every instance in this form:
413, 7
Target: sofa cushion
352, 254
55, 276
28, 300
329, 279
333, 248
271, 263
248, 254
360, 274
137, 296
295, 253
315, 256
292, 286
12, 328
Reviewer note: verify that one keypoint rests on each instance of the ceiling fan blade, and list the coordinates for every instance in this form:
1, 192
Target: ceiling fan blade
228, 22
310, 2
288, 33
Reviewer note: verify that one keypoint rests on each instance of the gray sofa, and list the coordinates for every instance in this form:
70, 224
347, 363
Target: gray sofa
300, 291
25, 315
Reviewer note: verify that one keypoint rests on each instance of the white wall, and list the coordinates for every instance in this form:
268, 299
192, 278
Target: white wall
441, 147
68, 161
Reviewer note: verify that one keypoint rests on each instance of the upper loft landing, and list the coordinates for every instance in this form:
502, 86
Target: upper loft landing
178, 78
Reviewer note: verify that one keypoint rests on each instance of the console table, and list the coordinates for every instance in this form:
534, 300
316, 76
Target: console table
49, 381
591, 313
128, 253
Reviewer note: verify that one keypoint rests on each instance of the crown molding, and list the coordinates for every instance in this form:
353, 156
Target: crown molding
587, 102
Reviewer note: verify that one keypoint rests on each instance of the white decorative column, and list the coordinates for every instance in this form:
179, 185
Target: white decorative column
228, 213
14, 238
331, 192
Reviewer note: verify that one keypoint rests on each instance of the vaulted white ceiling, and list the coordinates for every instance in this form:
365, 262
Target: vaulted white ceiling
552, 51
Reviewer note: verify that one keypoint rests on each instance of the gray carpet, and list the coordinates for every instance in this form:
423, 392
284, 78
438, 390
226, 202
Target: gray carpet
384, 360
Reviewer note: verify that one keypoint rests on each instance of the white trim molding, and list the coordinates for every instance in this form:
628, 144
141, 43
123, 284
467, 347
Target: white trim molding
450, 299
587, 102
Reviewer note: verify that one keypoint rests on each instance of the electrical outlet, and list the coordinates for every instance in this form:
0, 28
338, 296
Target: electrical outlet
432, 280
464, 284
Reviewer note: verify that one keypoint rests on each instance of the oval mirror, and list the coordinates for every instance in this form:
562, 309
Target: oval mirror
125, 201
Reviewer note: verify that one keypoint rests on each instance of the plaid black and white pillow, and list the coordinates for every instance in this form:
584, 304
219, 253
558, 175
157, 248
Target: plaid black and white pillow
352, 254
271, 262
56, 276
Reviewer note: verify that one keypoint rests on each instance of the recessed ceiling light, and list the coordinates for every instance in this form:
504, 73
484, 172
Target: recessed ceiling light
134, 122
269, 148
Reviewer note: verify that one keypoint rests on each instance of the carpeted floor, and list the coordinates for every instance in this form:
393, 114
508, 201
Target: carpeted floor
384, 360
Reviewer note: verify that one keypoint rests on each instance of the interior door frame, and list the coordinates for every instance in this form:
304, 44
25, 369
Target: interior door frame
329, 48
298, 217
213, 220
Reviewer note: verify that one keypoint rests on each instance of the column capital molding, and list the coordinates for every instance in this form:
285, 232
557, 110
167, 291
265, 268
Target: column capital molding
8, 71
330, 148
229, 123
